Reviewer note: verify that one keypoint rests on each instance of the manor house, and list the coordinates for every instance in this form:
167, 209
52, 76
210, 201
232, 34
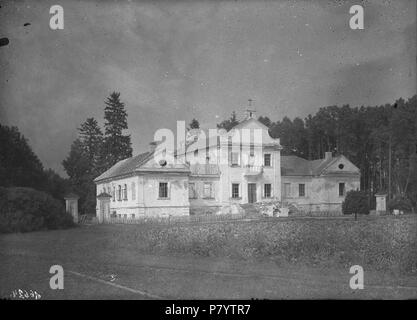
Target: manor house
255, 171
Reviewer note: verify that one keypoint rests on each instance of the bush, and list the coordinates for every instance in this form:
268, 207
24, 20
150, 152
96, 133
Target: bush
26, 209
356, 202
400, 203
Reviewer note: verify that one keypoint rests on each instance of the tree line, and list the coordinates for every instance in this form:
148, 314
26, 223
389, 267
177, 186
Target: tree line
380, 140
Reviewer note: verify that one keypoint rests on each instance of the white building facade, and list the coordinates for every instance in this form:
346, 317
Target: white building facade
243, 165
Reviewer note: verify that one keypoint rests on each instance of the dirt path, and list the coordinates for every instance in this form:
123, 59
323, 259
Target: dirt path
94, 272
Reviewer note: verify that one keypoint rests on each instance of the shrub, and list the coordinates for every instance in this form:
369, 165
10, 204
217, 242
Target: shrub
356, 202
26, 209
400, 203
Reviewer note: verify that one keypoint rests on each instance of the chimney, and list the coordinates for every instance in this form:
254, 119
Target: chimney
153, 145
327, 155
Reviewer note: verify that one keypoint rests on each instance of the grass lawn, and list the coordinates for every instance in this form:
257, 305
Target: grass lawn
274, 259
386, 244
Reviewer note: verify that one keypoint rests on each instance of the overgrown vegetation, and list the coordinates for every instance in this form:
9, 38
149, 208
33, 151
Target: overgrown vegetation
26, 209
387, 243
356, 202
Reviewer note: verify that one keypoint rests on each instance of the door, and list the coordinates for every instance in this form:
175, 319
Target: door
251, 192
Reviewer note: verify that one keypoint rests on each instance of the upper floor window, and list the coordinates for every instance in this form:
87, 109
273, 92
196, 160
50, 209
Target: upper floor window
301, 190
235, 190
133, 191
341, 189
163, 190
267, 160
208, 190
234, 158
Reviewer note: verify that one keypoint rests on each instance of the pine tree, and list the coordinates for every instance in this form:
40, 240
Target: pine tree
117, 146
19, 165
194, 124
81, 175
91, 138
229, 123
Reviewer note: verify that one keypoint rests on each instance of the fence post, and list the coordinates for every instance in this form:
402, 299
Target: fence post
71, 205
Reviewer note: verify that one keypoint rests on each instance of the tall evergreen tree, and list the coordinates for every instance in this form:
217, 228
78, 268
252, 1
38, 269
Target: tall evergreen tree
229, 123
194, 124
19, 165
91, 138
117, 146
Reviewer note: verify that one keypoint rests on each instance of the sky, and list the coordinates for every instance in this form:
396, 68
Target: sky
178, 60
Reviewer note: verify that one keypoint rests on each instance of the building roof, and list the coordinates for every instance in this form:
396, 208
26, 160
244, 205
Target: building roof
71, 196
297, 166
125, 166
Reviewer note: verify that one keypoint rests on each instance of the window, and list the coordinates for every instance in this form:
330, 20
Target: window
196, 153
301, 190
119, 193
133, 191
125, 192
114, 193
341, 189
133, 216
287, 190
252, 150
235, 159
235, 190
208, 190
267, 159
267, 190
125, 216
192, 192
163, 190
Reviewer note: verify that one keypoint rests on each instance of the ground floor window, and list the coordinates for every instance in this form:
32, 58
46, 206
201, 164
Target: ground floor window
341, 189
125, 192
208, 190
192, 191
235, 190
301, 190
163, 190
133, 191
287, 190
267, 190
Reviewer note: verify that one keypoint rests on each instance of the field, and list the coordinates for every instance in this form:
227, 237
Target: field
274, 258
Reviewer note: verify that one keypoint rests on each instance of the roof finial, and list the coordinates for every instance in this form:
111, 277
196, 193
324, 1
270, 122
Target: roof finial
250, 113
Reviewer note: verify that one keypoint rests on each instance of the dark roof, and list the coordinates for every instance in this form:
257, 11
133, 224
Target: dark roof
296, 166
125, 166
104, 195
71, 196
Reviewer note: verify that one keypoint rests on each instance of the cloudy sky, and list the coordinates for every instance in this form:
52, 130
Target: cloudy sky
175, 60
